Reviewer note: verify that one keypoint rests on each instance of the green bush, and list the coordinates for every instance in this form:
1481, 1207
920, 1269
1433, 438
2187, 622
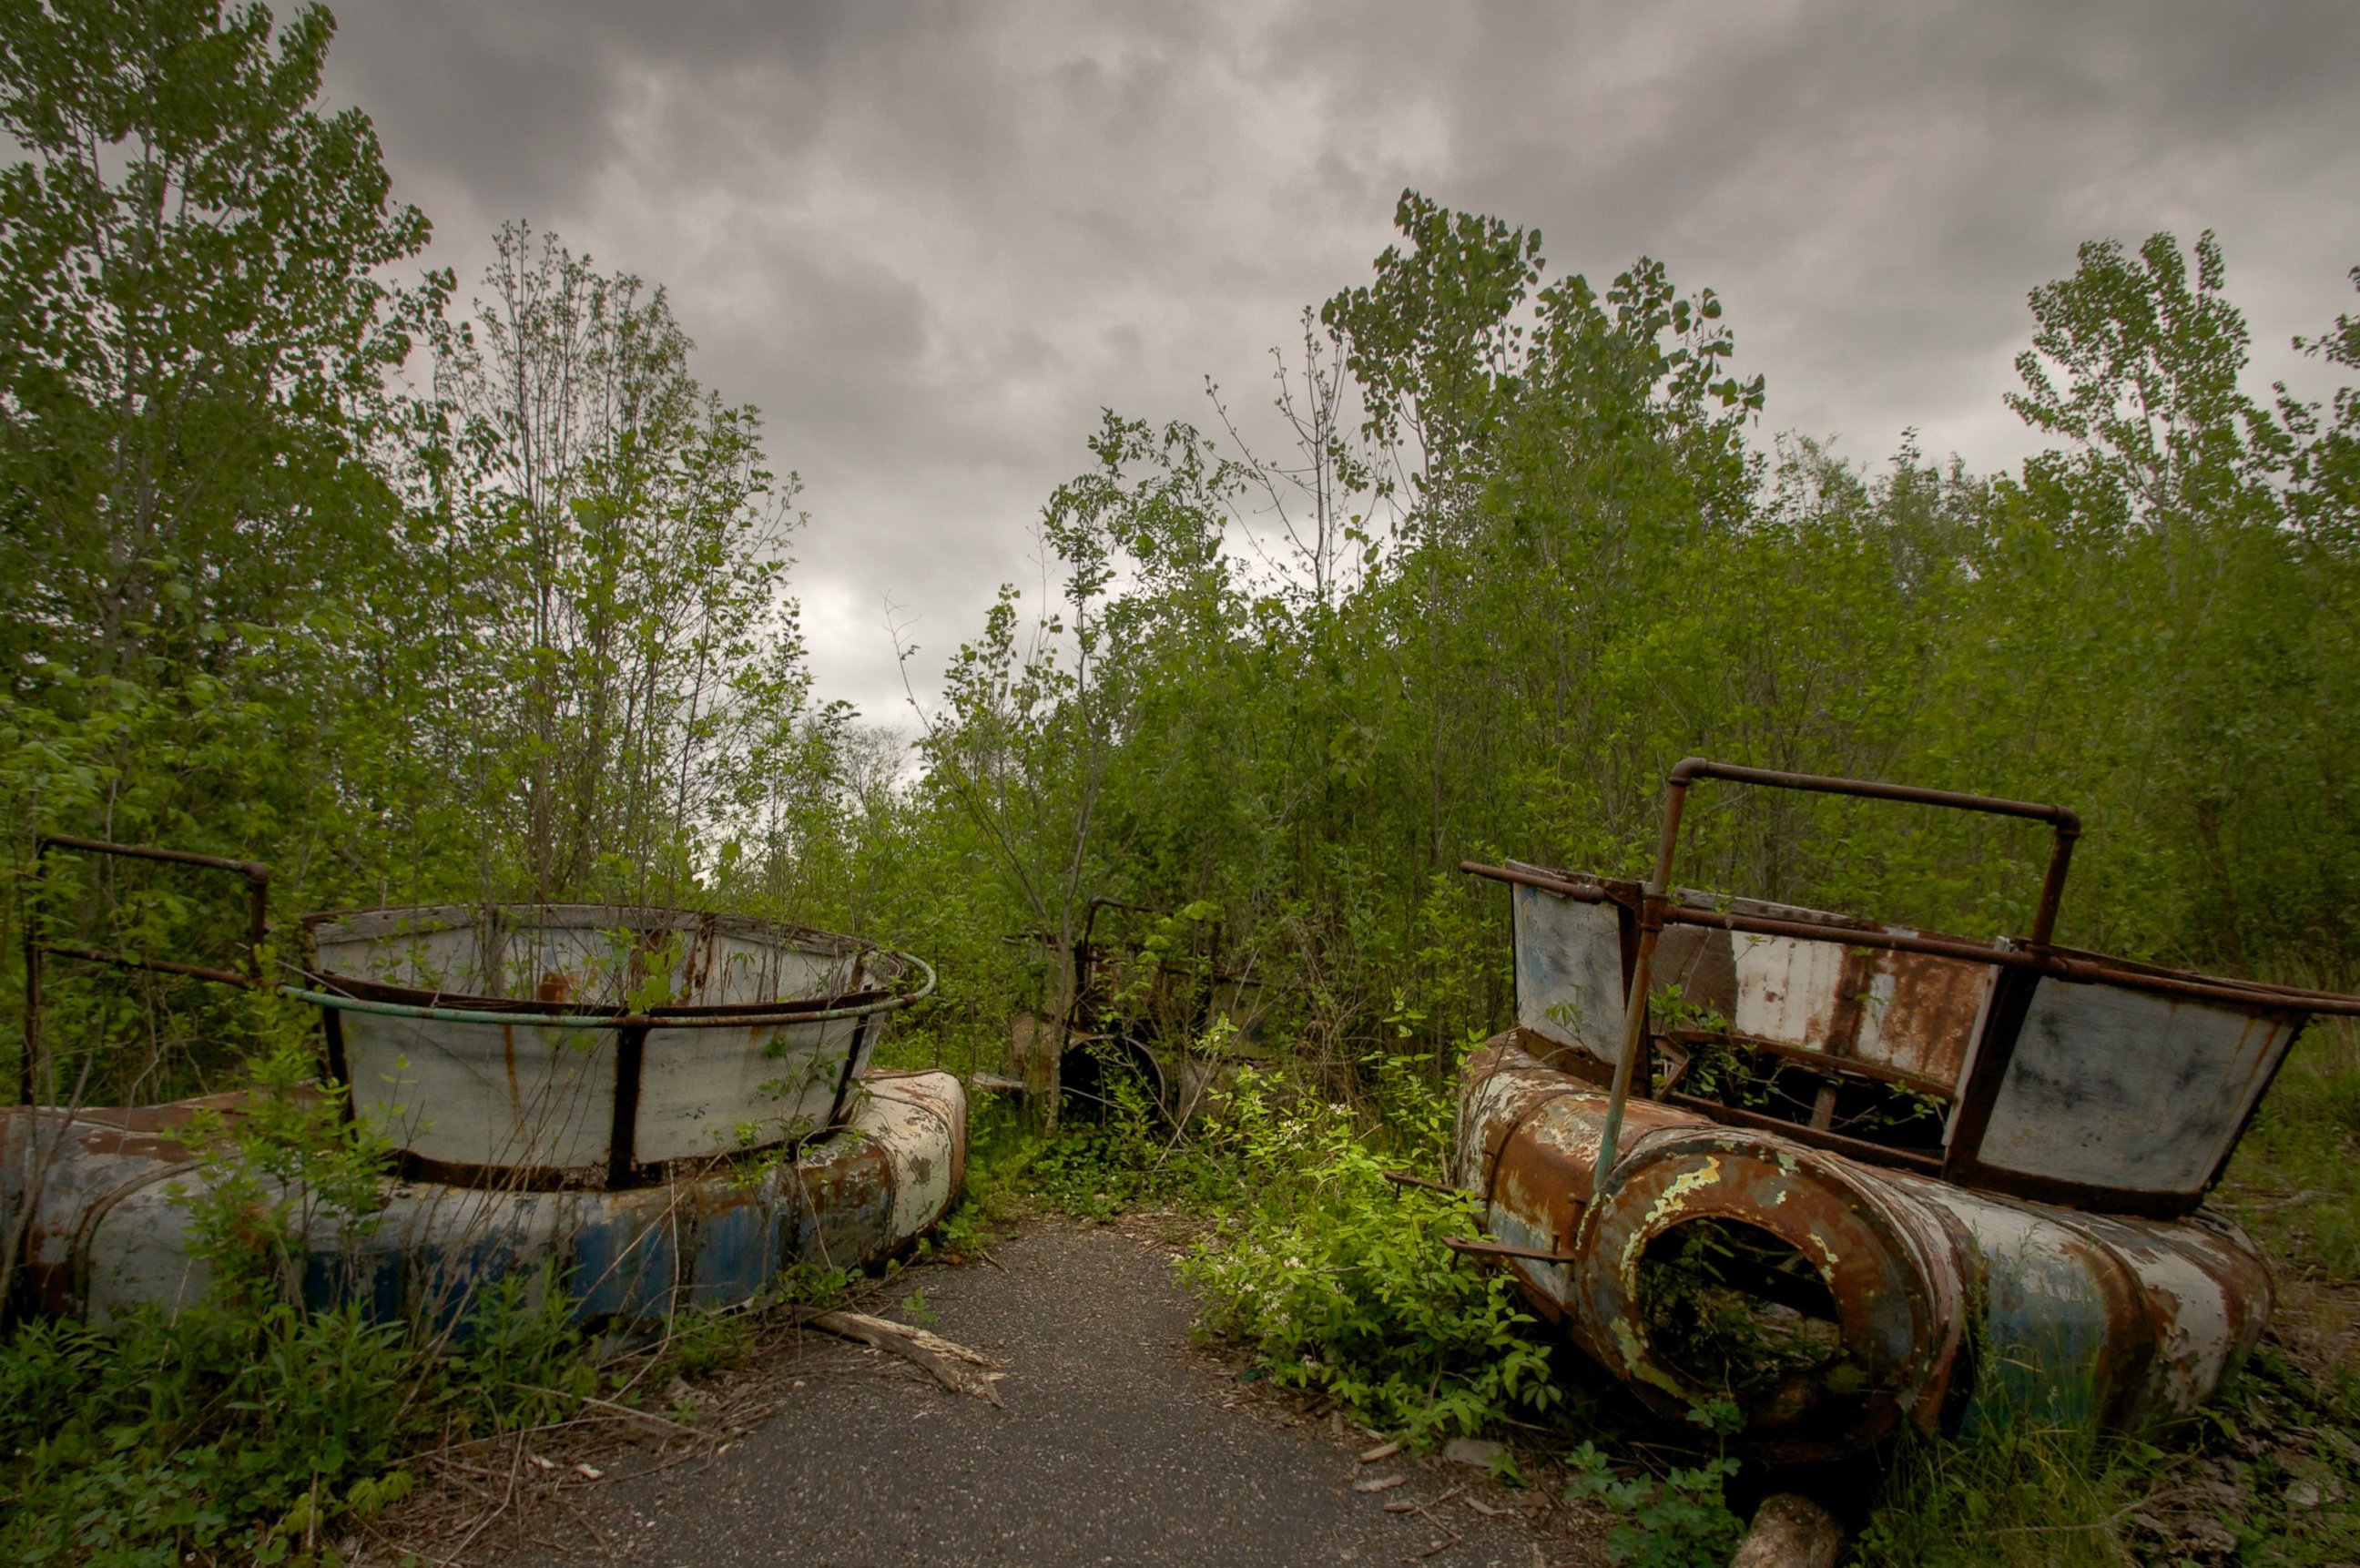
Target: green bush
1339, 1279
213, 1434
1679, 1521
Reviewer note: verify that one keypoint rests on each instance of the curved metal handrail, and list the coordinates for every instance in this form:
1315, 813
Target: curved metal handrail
616, 1020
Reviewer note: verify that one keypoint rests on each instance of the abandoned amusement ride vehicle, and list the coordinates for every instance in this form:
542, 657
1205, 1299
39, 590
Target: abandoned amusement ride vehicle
1849, 1176
654, 1106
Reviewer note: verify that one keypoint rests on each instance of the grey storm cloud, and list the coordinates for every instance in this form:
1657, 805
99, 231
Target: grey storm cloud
931, 241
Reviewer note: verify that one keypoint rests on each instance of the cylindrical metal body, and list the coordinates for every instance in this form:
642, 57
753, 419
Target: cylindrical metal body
1936, 1306
113, 1196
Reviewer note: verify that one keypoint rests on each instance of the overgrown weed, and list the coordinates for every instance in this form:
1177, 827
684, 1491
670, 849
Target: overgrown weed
2268, 1473
1335, 1279
1338, 1279
2025, 1494
1678, 1519
2295, 1182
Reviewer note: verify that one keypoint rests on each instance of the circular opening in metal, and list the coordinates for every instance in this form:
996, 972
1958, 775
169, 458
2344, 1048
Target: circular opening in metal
1113, 1079
1742, 1311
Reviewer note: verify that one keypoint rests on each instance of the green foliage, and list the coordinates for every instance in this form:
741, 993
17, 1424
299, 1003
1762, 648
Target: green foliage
195, 331
2020, 1495
2266, 1474
283, 1161
618, 681
255, 1432
1339, 1279
215, 1433
1126, 1152
2295, 1181
194, 334
1679, 1521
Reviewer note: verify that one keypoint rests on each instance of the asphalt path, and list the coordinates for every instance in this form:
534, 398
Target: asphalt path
1119, 1444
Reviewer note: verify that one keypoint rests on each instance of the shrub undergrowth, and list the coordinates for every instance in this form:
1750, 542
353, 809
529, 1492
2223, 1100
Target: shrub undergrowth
250, 1426
1337, 1281
1338, 1277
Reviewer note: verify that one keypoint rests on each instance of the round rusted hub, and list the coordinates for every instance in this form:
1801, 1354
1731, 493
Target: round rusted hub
1852, 1303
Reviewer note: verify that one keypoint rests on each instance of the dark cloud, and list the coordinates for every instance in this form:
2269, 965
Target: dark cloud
932, 241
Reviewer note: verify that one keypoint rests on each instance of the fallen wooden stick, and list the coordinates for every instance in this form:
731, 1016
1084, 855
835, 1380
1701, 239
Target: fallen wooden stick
857, 1323
935, 1354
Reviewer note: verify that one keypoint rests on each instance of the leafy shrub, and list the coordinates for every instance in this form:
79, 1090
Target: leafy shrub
1681, 1520
211, 1433
1339, 1279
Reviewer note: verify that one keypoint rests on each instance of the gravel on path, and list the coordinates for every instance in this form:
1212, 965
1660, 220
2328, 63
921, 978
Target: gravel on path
1119, 1445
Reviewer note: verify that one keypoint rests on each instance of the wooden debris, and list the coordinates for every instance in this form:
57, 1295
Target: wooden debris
1382, 1451
944, 1359
1379, 1483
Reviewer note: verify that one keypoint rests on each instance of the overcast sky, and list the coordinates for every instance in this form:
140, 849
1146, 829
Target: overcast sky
930, 241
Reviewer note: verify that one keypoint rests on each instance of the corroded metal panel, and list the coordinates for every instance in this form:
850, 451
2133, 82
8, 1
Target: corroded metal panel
1786, 990
2138, 1090
138, 1248
1911, 1013
1917, 1010
61, 1173
732, 970
925, 1114
513, 1096
2062, 1324
1569, 971
2093, 1317
712, 1090
438, 949
2207, 1296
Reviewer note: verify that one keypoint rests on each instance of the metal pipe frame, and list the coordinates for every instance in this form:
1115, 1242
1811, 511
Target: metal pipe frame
2021, 965
257, 905
2080, 969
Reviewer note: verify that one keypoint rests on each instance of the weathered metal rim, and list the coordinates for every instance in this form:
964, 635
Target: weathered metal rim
381, 991
2074, 966
617, 1019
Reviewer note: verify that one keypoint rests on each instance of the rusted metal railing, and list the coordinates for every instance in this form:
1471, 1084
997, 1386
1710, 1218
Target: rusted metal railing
37, 948
1658, 908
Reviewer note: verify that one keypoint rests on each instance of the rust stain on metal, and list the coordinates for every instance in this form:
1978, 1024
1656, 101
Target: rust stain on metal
109, 1224
1865, 1176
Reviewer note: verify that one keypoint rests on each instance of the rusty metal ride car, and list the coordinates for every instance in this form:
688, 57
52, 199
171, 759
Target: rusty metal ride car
1849, 1176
